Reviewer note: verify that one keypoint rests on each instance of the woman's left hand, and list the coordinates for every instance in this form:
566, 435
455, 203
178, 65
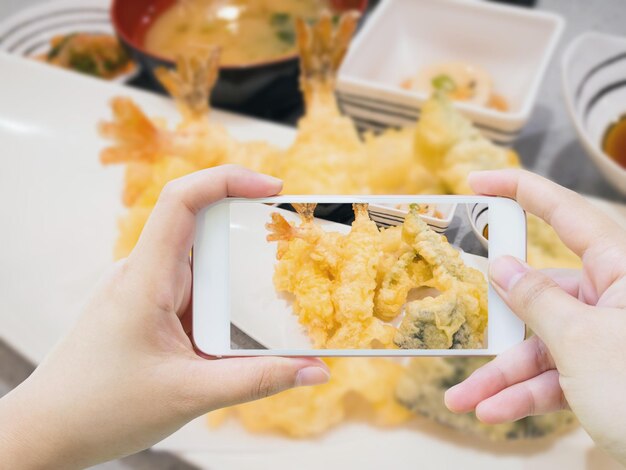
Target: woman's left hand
127, 374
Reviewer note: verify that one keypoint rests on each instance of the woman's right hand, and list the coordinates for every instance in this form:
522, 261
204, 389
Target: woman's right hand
578, 357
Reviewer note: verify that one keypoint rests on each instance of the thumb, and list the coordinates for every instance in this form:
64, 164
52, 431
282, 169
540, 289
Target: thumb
534, 297
225, 382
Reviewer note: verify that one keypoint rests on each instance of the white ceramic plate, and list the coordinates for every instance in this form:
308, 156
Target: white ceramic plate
59, 209
262, 313
29, 31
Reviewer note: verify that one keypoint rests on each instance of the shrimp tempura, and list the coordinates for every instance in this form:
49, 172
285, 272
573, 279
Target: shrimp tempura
333, 279
327, 155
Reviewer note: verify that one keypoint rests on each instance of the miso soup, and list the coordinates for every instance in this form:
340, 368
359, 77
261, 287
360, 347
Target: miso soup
246, 30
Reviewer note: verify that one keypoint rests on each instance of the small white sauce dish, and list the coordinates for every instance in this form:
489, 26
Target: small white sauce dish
514, 45
593, 72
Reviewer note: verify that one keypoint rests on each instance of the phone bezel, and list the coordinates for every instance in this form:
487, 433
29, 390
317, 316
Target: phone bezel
210, 303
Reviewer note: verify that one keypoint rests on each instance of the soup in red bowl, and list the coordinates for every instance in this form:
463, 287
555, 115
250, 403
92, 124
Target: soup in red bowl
259, 62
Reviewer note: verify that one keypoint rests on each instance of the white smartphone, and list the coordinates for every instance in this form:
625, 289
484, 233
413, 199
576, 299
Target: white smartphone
354, 276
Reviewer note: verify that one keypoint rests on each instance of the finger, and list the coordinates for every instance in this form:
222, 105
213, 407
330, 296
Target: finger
186, 320
227, 382
539, 395
168, 235
546, 308
522, 362
575, 220
566, 279
614, 296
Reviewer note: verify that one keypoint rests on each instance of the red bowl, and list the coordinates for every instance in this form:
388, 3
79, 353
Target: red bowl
261, 88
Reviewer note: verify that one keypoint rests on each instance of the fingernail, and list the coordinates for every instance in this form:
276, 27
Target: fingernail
446, 398
506, 271
312, 376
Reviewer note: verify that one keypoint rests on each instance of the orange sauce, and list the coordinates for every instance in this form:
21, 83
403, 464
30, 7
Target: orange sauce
614, 141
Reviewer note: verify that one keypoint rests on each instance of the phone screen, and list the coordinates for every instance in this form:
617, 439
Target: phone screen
408, 275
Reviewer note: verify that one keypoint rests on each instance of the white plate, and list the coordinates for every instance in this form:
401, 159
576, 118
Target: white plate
59, 209
252, 259
29, 31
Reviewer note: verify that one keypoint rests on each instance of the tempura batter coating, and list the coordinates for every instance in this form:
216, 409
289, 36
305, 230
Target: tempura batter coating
439, 128
448, 145
333, 279
408, 272
301, 274
473, 155
458, 317
355, 285
328, 154
155, 154
430, 323
393, 166
545, 248
358, 387
368, 274
422, 387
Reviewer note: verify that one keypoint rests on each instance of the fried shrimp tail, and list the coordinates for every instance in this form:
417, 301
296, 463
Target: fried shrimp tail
305, 211
191, 83
327, 155
282, 231
322, 49
136, 138
279, 229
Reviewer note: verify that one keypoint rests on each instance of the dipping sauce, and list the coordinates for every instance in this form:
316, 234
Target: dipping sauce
614, 141
247, 31
486, 232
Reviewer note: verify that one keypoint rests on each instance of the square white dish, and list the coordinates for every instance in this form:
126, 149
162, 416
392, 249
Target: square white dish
513, 44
